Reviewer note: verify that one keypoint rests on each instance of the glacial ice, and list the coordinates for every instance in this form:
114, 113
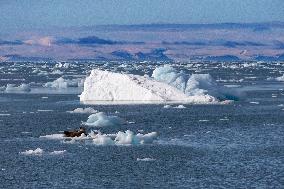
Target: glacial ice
165, 85
100, 119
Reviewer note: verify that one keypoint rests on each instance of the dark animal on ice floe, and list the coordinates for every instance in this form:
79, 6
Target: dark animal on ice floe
75, 133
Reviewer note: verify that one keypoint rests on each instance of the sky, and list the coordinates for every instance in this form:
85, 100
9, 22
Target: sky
28, 14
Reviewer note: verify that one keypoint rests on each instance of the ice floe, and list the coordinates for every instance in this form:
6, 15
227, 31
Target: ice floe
57, 152
180, 106
12, 88
100, 119
128, 137
280, 78
120, 138
167, 106
62, 83
88, 110
145, 159
37, 152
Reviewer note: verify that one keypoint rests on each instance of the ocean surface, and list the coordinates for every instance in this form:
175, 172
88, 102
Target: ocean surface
236, 145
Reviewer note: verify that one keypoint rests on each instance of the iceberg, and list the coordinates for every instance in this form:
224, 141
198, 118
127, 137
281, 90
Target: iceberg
165, 85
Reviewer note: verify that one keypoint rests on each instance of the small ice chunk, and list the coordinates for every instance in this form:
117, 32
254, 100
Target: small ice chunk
5, 114
167, 106
203, 120
180, 107
45, 110
145, 159
37, 152
281, 78
11, 88
57, 152
100, 119
128, 138
88, 110
62, 83
100, 139
54, 136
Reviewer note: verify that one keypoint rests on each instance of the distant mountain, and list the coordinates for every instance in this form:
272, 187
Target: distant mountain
156, 54
153, 42
270, 58
122, 55
225, 58
15, 57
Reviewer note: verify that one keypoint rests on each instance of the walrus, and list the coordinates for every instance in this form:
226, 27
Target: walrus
75, 133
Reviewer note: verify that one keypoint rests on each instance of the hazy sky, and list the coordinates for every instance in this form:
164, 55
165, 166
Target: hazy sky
19, 14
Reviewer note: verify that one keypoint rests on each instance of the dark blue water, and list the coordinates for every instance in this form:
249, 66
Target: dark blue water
240, 145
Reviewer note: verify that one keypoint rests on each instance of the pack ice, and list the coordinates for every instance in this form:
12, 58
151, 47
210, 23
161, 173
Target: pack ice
165, 85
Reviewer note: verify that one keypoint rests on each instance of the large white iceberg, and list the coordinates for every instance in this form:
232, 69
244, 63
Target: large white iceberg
166, 85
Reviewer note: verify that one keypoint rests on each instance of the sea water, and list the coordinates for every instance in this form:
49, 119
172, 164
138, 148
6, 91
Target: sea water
235, 145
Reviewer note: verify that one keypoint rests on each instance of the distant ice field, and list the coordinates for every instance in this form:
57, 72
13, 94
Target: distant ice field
234, 145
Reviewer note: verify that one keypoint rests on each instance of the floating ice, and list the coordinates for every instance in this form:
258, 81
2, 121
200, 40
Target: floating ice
145, 159
169, 75
281, 78
54, 136
37, 152
57, 72
195, 85
100, 139
57, 152
4, 114
167, 106
125, 138
120, 138
12, 88
180, 106
45, 110
62, 65
100, 119
254, 102
88, 110
126, 88
166, 85
62, 83
59, 83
